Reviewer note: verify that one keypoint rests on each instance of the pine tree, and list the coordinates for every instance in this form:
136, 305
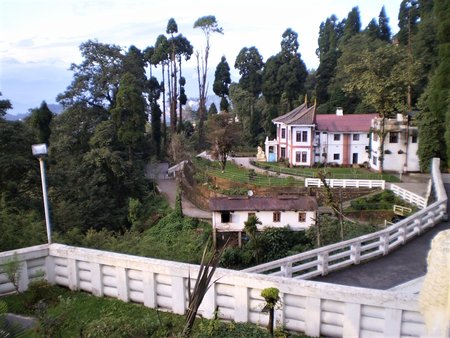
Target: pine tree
383, 24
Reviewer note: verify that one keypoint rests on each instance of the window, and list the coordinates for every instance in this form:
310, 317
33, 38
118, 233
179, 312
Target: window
304, 155
336, 157
283, 132
225, 217
393, 137
337, 137
301, 156
374, 160
283, 153
414, 139
298, 136
302, 216
304, 136
355, 137
276, 216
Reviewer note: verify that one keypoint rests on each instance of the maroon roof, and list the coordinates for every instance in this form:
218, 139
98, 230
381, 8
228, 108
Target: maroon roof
302, 115
280, 203
344, 123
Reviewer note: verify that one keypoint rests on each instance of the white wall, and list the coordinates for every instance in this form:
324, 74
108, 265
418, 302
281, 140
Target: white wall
395, 161
266, 217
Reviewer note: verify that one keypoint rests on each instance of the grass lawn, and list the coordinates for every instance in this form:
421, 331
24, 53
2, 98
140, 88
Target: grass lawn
339, 172
63, 313
238, 174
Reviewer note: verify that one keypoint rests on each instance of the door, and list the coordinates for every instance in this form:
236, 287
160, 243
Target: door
355, 158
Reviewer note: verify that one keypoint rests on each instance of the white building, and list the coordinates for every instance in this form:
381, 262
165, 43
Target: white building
400, 145
305, 138
230, 213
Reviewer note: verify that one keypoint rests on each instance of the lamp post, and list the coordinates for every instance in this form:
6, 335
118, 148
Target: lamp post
40, 151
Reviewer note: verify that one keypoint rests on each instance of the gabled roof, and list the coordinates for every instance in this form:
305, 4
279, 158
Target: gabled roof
302, 115
344, 123
281, 203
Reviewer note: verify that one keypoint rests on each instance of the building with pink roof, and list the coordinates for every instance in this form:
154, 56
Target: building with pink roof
305, 138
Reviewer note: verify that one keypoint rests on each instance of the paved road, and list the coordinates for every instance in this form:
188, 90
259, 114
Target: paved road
169, 188
402, 265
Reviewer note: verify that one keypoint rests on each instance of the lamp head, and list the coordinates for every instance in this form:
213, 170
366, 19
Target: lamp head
39, 150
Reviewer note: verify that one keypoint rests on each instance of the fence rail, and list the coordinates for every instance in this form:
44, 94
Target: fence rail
339, 183
409, 196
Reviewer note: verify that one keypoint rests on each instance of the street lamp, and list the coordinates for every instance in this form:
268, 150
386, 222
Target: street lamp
40, 151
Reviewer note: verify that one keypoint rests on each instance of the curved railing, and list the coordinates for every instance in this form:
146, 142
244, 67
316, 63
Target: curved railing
337, 256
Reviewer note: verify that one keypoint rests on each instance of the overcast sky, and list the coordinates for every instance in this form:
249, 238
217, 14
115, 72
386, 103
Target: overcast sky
40, 38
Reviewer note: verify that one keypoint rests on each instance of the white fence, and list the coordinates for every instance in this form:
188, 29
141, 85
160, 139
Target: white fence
313, 308
408, 196
337, 256
339, 183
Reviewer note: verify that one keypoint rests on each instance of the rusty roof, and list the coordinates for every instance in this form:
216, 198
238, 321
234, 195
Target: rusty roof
260, 203
344, 123
302, 115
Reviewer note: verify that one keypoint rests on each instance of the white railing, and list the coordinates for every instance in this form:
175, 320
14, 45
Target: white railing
314, 308
409, 196
350, 183
318, 309
321, 261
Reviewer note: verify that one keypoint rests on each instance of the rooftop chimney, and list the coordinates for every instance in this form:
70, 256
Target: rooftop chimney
339, 111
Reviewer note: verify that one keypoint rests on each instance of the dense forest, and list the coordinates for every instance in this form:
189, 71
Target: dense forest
114, 119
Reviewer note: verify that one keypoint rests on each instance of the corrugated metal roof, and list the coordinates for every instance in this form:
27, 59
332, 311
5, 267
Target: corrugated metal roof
302, 115
344, 123
259, 203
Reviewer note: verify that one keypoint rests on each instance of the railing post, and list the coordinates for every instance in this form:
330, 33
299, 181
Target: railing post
241, 304
286, 269
178, 295
208, 306
149, 285
323, 263
384, 245
355, 254
417, 225
50, 269
312, 318
392, 322
96, 279
122, 284
73, 273
352, 320
23, 276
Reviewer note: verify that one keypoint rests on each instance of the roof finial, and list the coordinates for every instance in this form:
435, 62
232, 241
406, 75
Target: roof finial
315, 101
306, 99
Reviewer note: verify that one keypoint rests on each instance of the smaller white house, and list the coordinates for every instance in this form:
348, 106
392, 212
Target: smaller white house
230, 213
400, 145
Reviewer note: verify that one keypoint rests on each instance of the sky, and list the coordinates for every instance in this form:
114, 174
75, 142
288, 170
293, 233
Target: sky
39, 39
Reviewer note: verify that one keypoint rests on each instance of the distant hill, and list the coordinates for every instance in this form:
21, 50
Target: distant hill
54, 108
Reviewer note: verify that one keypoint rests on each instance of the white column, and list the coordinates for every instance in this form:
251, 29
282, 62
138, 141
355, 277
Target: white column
73, 273
178, 295
312, 319
122, 284
351, 321
240, 304
96, 280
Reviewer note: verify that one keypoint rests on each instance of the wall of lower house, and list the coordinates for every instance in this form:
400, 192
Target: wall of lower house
238, 218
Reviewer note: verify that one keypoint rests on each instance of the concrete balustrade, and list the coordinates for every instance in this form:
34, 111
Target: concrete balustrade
318, 309
314, 308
